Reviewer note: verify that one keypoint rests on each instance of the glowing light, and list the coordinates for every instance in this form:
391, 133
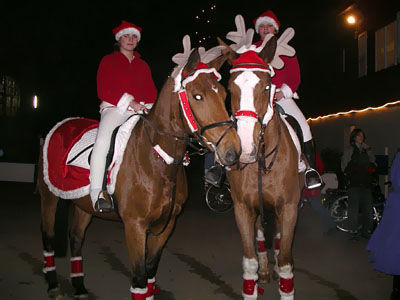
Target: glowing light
35, 102
353, 111
351, 19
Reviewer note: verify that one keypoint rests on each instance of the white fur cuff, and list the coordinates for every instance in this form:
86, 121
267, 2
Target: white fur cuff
124, 102
286, 90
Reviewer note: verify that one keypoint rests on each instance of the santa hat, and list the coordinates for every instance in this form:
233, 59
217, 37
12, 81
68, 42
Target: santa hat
126, 28
267, 17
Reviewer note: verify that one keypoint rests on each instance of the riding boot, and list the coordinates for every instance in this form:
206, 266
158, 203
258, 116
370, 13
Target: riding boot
214, 175
313, 180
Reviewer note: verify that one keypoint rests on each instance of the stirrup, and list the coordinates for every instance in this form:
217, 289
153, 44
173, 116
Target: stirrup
102, 205
318, 180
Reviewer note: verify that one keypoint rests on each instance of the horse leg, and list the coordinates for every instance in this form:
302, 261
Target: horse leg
263, 271
135, 236
155, 245
48, 215
80, 222
245, 221
285, 261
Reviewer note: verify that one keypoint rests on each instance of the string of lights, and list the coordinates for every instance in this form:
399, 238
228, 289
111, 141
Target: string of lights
353, 111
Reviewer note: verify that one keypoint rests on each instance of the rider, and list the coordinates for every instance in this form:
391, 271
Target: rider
287, 81
124, 85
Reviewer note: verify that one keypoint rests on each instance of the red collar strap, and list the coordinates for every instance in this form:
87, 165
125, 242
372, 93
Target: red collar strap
246, 113
187, 111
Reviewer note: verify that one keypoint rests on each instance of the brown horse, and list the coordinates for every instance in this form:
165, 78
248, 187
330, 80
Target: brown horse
267, 177
149, 192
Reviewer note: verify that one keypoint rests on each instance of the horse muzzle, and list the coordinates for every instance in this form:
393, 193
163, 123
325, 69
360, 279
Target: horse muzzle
248, 158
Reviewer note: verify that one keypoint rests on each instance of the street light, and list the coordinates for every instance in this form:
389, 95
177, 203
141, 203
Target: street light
35, 102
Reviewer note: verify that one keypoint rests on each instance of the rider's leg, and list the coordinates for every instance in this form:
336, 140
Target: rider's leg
313, 180
109, 120
212, 172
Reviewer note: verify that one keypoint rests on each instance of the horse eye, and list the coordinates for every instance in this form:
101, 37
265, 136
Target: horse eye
198, 97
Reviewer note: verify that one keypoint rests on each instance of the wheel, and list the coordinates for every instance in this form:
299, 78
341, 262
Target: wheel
339, 212
219, 200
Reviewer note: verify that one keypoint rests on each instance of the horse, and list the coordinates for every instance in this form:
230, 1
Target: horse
151, 186
267, 178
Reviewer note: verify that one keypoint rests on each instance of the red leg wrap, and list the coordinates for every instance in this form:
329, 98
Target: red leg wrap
286, 285
49, 261
277, 243
152, 289
138, 296
76, 267
248, 286
261, 246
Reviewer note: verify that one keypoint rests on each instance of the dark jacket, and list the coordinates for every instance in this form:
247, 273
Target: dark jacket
359, 165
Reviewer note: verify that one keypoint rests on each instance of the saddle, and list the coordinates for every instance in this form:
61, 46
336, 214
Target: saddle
66, 156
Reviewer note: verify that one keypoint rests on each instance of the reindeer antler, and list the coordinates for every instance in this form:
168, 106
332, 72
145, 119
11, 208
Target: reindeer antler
181, 58
210, 54
241, 37
283, 48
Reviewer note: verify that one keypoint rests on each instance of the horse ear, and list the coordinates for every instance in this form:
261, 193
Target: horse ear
268, 52
227, 54
193, 61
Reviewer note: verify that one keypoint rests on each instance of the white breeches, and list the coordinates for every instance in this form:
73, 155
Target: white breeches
290, 107
110, 119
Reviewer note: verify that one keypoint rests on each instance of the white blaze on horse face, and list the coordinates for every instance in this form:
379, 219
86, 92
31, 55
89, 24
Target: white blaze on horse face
215, 89
245, 125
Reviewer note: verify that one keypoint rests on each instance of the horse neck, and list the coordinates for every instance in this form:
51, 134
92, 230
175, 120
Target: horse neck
165, 114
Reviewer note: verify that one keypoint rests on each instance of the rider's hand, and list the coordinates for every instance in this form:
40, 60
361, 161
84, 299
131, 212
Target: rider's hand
137, 106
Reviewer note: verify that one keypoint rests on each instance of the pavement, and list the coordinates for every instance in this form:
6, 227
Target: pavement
202, 259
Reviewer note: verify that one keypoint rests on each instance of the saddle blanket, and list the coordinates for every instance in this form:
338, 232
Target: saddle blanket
66, 156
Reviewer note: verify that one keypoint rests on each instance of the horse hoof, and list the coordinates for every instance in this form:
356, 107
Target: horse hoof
275, 276
263, 278
55, 293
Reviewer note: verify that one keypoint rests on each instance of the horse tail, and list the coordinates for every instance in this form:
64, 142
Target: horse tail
61, 228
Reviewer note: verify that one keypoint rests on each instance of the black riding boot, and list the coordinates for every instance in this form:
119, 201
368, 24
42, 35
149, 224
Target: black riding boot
214, 175
313, 180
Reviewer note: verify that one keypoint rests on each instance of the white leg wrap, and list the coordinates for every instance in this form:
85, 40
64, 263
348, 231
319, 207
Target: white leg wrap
250, 276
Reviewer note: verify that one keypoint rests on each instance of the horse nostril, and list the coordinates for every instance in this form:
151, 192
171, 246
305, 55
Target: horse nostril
231, 157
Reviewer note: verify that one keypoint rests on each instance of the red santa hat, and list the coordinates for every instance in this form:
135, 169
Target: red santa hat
126, 28
267, 17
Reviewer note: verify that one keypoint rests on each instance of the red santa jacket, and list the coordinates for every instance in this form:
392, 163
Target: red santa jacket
288, 76
116, 76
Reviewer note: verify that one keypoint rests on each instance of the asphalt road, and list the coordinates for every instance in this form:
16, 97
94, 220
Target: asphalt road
202, 259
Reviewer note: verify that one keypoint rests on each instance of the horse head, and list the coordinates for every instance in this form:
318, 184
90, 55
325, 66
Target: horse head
251, 91
202, 100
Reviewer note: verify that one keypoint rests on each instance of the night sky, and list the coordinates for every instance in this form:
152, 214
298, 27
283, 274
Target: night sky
53, 50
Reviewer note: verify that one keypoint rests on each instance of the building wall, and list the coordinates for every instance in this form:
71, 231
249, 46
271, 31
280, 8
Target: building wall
381, 126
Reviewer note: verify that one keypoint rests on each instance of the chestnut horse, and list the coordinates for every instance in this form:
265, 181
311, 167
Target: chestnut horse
149, 192
267, 178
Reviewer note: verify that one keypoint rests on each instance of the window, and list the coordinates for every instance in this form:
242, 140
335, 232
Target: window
385, 47
9, 96
362, 54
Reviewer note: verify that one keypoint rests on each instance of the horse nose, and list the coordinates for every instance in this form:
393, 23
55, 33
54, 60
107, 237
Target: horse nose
231, 157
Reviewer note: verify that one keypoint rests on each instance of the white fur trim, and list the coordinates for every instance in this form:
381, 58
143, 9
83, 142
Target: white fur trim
47, 254
138, 291
129, 30
250, 267
260, 235
265, 20
198, 72
151, 280
168, 159
124, 101
286, 296
48, 269
73, 275
76, 258
286, 90
286, 272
